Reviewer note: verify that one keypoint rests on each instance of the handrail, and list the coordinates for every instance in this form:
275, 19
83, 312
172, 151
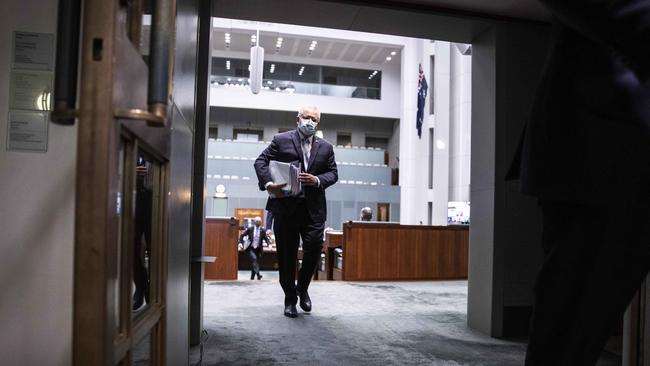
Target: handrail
67, 62
162, 27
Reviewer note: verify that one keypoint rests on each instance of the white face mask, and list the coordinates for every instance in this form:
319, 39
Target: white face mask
307, 126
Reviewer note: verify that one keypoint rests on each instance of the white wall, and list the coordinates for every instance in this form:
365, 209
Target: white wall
451, 123
36, 221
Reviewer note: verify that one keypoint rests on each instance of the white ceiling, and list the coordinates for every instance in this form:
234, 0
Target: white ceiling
297, 46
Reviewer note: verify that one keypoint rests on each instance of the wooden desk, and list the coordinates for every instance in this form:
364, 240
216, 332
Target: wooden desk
221, 234
268, 262
387, 251
333, 240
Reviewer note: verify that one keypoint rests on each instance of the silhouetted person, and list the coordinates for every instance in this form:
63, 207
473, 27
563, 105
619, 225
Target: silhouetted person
256, 235
366, 214
586, 156
303, 216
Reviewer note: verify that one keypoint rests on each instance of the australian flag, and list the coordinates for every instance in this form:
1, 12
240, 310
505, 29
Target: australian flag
422, 98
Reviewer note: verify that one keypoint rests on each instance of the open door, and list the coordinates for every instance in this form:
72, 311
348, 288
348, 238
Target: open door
122, 176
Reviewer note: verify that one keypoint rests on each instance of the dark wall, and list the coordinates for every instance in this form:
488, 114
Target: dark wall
505, 251
182, 120
521, 52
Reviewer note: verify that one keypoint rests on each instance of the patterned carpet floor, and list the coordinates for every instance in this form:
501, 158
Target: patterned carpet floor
379, 323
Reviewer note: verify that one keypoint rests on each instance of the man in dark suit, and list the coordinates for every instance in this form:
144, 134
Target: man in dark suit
586, 156
300, 216
253, 248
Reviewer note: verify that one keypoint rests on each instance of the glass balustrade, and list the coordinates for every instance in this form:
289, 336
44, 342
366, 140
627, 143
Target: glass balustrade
301, 79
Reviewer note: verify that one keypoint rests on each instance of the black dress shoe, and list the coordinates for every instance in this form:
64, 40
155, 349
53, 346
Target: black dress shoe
290, 311
305, 301
252, 275
259, 276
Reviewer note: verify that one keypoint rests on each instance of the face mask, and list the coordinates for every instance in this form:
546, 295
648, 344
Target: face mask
307, 126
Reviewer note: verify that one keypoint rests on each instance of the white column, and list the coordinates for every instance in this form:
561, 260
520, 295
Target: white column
413, 158
442, 97
460, 131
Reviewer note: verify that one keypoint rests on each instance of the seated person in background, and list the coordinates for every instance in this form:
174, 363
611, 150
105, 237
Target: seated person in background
366, 214
253, 247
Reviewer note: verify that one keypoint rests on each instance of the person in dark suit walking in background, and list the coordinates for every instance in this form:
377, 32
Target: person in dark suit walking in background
586, 157
300, 216
254, 248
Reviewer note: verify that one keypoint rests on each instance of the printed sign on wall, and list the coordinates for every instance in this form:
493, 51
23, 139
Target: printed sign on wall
27, 131
30, 92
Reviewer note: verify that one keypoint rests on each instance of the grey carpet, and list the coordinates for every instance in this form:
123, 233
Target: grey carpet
381, 323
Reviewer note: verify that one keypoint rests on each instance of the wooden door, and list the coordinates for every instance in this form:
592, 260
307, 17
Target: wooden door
383, 211
121, 184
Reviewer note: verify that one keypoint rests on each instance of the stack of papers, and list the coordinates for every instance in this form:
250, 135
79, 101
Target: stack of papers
285, 173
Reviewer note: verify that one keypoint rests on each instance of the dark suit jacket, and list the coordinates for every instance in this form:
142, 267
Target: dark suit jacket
286, 147
251, 235
588, 140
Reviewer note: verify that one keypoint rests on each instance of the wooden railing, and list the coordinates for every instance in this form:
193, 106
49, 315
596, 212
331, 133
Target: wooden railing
390, 251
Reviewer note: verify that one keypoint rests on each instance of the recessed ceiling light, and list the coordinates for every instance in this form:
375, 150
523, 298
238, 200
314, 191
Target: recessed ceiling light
269, 82
388, 58
312, 46
393, 53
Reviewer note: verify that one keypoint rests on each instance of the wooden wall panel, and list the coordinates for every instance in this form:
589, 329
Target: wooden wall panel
221, 235
377, 251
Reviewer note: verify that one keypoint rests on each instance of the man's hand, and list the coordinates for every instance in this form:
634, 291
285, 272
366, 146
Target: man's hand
308, 179
276, 189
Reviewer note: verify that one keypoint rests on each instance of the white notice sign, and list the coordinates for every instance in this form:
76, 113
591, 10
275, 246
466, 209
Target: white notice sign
30, 90
27, 131
33, 51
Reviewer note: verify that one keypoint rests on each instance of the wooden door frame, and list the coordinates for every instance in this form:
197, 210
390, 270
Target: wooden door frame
103, 330
96, 133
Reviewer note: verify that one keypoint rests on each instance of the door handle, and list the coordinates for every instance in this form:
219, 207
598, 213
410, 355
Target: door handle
159, 87
67, 60
162, 28
67, 63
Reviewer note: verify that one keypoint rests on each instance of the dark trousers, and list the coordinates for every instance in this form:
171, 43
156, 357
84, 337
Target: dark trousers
252, 256
288, 231
596, 257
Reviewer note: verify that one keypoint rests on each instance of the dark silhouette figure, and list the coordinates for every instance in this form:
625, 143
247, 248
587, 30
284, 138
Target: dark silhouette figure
586, 156
142, 237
